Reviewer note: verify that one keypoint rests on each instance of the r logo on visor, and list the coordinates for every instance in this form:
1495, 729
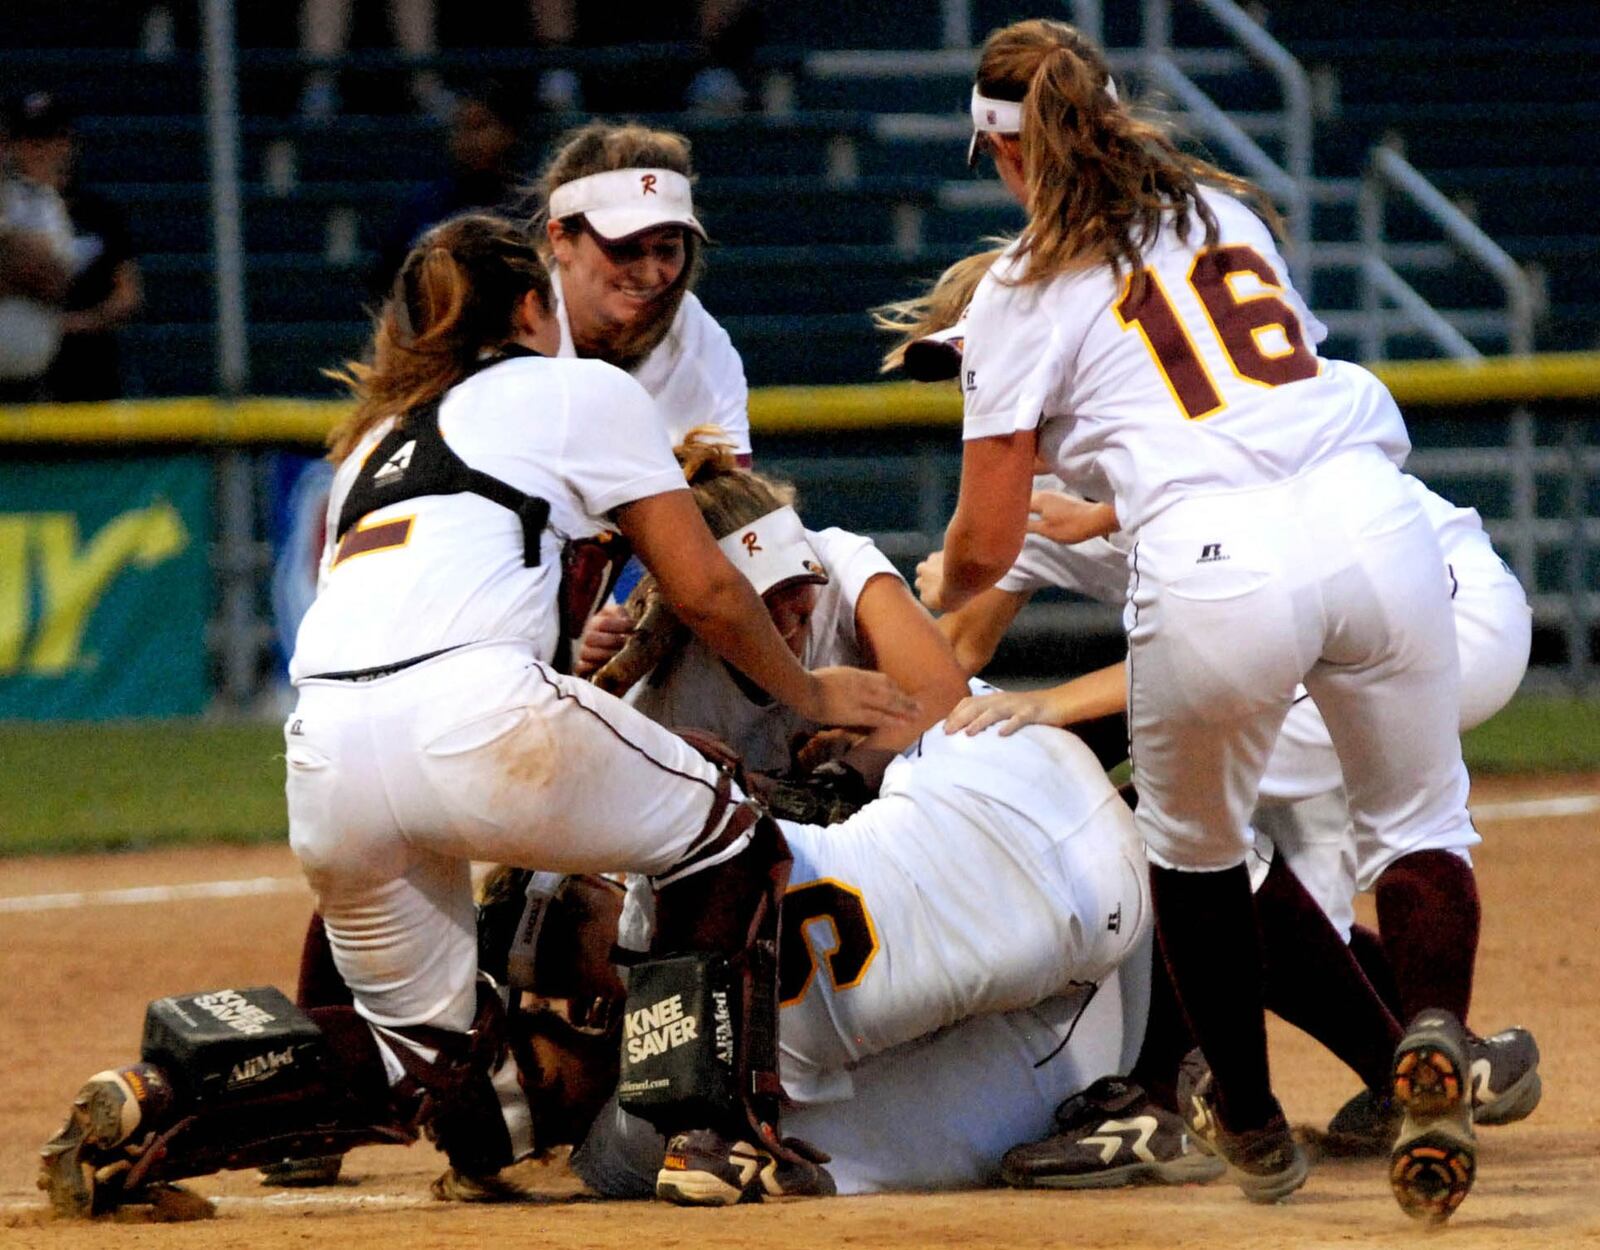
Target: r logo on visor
751, 546
647, 183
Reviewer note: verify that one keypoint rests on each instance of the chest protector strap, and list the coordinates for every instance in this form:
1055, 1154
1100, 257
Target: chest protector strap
413, 460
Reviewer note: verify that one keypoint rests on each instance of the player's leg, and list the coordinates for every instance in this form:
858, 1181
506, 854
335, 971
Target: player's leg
1388, 688
1215, 652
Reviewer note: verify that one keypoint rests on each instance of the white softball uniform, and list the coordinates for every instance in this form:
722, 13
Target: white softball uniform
977, 949
990, 874
699, 691
694, 374
1274, 540
398, 777
934, 1114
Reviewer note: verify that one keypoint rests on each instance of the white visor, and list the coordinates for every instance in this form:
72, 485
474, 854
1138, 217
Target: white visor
1001, 117
992, 117
622, 202
773, 551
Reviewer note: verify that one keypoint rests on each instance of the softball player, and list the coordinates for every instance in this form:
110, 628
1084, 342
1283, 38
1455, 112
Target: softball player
1142, 337
431, 728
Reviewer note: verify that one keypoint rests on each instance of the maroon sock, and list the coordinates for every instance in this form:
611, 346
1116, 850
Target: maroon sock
1166, 1040
320, 982
1428, 917
1367, 947
1314, 983
1206, 922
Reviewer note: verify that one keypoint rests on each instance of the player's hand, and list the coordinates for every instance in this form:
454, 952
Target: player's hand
930, 582
606, 634
1010, 709
858, 699
1068, 519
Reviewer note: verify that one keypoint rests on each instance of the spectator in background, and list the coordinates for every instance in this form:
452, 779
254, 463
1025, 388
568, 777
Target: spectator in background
485, 125
104, 290
35, 266
325, 33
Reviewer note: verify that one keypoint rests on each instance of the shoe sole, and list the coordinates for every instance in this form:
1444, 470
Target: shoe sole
96, 1118
702, 1189
1434, 1160
1194, 1169
1274, 1186
302, 1173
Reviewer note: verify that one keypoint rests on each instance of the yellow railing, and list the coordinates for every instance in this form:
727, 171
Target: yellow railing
779, 409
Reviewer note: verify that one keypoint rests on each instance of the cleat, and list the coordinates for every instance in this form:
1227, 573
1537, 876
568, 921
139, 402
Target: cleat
1434, 1158
454, 1186
1505, 1076
796, 1178
1110, 1135
704, 1169
309, 1173
1364, 1128
75, 1169
1266, 1163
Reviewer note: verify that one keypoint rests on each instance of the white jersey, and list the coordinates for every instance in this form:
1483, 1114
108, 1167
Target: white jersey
977, 949
440, 571
30, 331
1210, 382
698, 690
991, 873
694, 374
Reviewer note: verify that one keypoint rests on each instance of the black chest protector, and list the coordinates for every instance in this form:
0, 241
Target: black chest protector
413, 460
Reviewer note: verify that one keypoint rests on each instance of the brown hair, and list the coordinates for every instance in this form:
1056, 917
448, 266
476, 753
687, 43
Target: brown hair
939, 309
729, 497
1099, 179
455, 295
600, 147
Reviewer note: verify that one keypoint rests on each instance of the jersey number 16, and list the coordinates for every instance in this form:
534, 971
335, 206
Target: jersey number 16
1239, 320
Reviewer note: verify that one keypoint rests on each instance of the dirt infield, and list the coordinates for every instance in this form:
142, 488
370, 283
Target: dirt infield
77, 977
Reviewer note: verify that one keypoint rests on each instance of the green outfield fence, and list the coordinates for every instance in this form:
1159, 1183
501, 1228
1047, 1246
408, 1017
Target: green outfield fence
135, 537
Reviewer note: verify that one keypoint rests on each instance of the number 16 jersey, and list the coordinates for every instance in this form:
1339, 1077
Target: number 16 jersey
1196, 372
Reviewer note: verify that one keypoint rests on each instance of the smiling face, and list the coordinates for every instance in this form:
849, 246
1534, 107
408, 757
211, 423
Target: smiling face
613, 289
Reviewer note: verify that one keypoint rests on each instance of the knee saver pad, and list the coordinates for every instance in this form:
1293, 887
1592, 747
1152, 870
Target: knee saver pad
680, 1042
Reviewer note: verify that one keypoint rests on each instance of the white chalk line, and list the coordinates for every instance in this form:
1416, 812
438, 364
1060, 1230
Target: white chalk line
1539, 809
77, 899
268, 1202
1515, 809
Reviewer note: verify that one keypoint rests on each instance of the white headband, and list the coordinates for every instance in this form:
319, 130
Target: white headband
622, 202
1002, 117
773, 551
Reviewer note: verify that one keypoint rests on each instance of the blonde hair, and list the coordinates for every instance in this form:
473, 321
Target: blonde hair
600, 147
1100, 180
939, 309
455, 295
729, 498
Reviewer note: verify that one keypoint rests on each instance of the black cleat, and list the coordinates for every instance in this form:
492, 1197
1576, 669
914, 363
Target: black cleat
1110, 1135
702, 1168
1266, 1163
1364, 1128
1434, 1158
1505, 1076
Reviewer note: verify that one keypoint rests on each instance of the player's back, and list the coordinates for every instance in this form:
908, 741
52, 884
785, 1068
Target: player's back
1197, 371
992, 873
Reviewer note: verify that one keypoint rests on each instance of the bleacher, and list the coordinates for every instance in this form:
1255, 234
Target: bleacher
848, 187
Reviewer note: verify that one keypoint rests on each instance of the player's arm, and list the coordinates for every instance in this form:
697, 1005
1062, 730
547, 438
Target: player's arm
719, 604
1100, 693
975, 629
899, 638
991, 518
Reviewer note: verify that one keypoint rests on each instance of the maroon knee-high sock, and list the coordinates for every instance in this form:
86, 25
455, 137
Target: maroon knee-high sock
1206, 923
1314, 983
320, 982
1428, 916
1367, 947
1166, 1040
